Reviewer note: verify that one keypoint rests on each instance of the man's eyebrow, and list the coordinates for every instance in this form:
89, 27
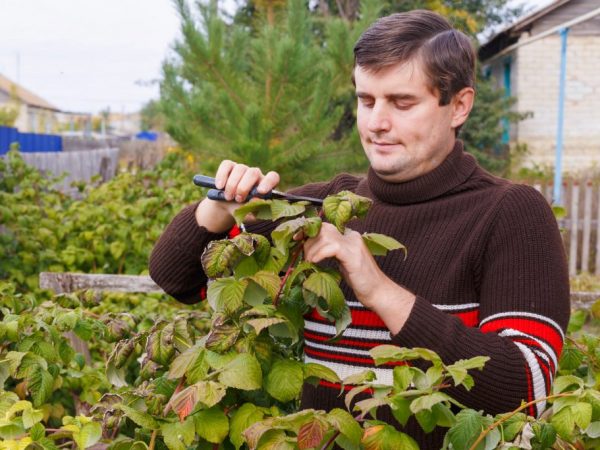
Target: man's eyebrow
390, 97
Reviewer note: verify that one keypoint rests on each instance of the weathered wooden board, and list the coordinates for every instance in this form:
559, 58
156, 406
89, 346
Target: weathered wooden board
69, 282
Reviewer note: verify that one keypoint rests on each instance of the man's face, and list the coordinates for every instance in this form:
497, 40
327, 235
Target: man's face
404, 131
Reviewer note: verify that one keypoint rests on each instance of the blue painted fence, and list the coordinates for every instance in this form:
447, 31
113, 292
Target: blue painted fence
29, 142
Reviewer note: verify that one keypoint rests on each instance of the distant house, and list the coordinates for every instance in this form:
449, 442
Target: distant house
36, 115
530, 72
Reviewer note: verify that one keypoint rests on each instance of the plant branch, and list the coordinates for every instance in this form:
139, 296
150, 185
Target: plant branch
485, 432
288, 272
331, 439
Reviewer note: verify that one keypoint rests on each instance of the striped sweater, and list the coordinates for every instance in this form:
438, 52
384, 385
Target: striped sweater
485, 260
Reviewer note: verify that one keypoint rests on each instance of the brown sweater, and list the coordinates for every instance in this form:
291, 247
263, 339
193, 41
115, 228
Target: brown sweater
485, 259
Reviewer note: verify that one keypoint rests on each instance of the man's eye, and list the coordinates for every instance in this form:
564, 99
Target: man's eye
403, 106
366, 102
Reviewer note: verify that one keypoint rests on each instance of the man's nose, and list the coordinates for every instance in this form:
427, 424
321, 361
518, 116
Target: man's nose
379, 119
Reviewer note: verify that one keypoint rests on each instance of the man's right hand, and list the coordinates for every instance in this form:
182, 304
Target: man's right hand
236, 180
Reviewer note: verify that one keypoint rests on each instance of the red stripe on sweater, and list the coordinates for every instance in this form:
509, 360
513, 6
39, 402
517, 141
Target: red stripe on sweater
366, 318
534, 344
528, 326
348, 358
235, 230
338, 387
359, 318
469, 318
349, 342
530, 396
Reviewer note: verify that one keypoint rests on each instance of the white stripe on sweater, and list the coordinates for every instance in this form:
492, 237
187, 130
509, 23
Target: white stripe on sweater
337, 348
523, 314
509, 332
350, 332
384, 376
457, 307
539, 383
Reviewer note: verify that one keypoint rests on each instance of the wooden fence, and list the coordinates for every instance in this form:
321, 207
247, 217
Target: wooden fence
70, 282
581, 225
79, 165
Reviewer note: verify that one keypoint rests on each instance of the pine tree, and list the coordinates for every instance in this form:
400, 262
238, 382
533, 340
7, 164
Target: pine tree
259, 97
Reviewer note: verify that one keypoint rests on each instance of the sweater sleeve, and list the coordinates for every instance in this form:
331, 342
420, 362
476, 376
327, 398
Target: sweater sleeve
175, 259
524, 310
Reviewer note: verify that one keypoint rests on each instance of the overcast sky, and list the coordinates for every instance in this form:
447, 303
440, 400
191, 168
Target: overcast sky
87, 55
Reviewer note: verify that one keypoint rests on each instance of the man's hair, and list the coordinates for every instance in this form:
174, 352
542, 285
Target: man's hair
446, 54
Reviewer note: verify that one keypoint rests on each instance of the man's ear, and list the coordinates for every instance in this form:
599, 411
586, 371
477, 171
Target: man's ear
462, 103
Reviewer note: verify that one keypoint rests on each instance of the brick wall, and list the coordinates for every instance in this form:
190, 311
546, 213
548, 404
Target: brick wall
536, 69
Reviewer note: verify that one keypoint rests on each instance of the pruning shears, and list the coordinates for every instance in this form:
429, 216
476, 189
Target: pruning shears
219, 194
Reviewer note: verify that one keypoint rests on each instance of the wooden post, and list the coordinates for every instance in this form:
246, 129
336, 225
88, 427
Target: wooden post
587, 228
574, 214
598, 236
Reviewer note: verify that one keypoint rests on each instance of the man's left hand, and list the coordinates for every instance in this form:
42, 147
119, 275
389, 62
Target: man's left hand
371, 286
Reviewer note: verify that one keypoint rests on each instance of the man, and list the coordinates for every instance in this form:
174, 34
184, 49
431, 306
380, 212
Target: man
486, 271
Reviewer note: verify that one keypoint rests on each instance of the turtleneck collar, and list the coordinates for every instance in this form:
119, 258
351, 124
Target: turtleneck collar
453, 171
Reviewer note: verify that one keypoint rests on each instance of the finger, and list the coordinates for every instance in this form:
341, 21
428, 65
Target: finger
233, 180
251, 178
223, 172
268, 182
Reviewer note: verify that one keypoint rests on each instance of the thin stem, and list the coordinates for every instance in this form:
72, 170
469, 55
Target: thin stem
152, 440
331, 439
485, 432
288, 273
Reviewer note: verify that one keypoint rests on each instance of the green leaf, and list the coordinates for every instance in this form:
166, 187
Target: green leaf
593, 430
512, 426
260, 208
340, 208
209, 393
469, 425
243, 372
284, 380
219, 257
261, 324
401, 409
282, 208
244, 243
31, 417
402, 378
283, 234
564, 422
566, 383
269, 281
380, 245
177, 435
141, 418
343, 422
226, 294
582, 413
427, 401
576, 321
212, 424
311, 433
545, 434
426, 420
222, 336
159, 344
242, 418
318, 371
386, 353
275, 440
326, 287
40, 383
571, 358
360, 378
385, 437
184, 361
444, 416
89, 434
